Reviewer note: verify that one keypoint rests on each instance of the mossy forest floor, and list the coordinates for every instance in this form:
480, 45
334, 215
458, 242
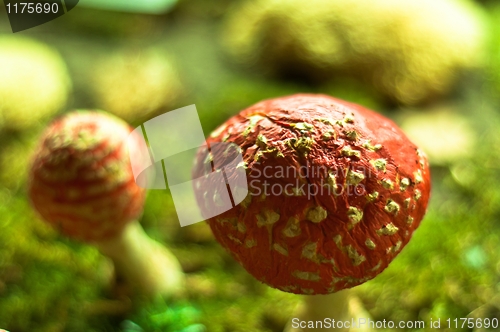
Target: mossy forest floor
450, 269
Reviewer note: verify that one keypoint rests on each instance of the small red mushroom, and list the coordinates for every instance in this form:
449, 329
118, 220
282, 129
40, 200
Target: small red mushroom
335, 192
81, 182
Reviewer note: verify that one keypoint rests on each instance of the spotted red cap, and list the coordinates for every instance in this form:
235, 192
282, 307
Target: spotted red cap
335, 192
81, 180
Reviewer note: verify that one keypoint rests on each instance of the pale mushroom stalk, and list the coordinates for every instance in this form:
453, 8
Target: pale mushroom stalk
341, 306
143, 262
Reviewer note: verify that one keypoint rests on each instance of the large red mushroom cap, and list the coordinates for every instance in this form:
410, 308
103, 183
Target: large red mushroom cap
335, 192
81, 179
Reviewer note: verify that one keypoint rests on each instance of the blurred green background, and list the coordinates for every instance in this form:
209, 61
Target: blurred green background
224, 56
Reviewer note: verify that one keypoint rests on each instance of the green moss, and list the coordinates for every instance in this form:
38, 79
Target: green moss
37, 269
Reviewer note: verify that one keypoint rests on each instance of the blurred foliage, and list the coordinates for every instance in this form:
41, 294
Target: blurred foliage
442, 131
15, 153
47, 283
201, 9
111, 24
493, 70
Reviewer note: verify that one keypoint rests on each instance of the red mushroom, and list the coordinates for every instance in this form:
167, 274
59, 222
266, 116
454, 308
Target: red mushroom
81, 182
335, 192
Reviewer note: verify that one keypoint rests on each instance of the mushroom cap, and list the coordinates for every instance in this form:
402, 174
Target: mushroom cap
131, 78
81, 180
335, 191
410, 51
34, 82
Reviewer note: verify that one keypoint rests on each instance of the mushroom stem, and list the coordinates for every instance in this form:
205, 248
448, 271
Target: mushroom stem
340, 306
143, 263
